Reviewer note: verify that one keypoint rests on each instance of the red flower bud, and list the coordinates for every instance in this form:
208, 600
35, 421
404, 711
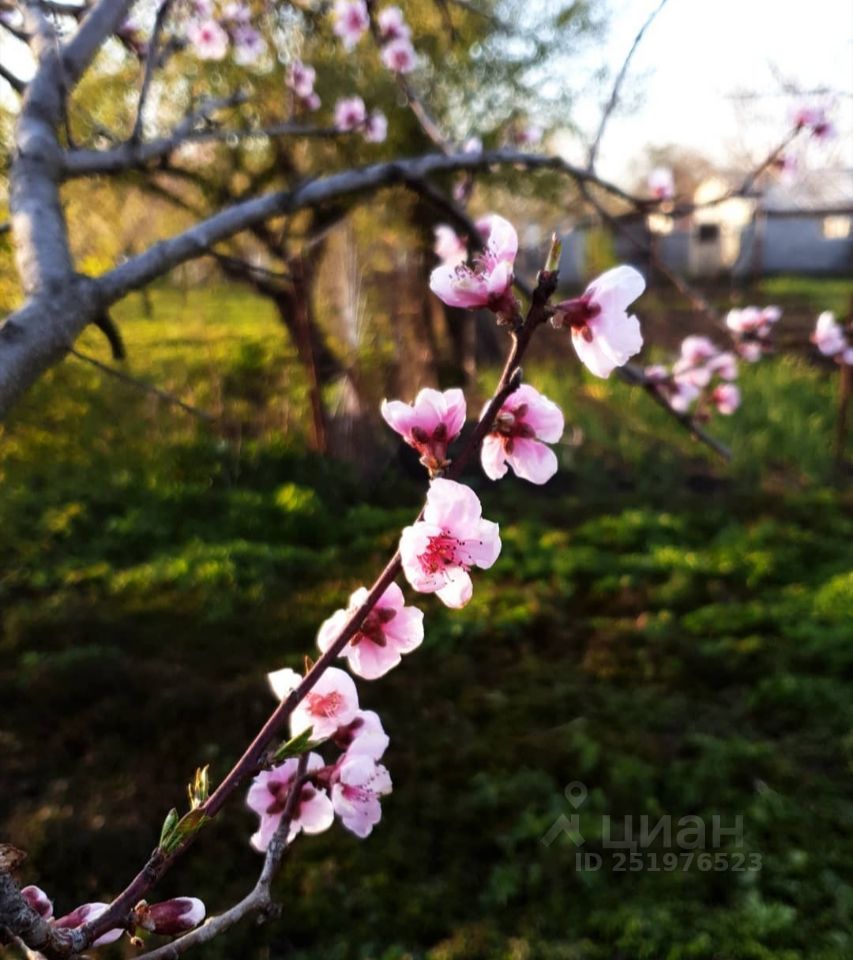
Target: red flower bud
170, 916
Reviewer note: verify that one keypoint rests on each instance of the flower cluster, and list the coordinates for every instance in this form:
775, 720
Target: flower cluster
170, 917
211, 35
752, 330
830, 338
398, 54
300, 80
437, 553
351, 114
700, 380
816, 121
350, 787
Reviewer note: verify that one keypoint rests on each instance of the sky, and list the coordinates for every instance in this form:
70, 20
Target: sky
698, 54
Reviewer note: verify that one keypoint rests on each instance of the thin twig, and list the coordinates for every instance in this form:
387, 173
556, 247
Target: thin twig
143, 385
617, 85
151, 65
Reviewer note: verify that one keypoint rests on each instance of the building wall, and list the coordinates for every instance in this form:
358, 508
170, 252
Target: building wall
795, 244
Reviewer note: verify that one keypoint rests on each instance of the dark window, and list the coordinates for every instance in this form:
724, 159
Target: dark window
708, 233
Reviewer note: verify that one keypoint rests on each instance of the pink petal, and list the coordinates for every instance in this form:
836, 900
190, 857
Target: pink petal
493, 457
457, 589
532, 460
617, 288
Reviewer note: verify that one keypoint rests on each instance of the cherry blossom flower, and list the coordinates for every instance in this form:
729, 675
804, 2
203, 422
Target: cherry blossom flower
449, 247
331, 703
438, 551
350, 113
828, 336
209, 40
430, 424
300, 79
392, 25
724, 365
814, 119
376, 127
268, 796
489, 282
365, 736
38, 900
693, 365
472, 145
86, 913
604, 335
171, 916
249, 46
661, 183
726, 398
351, 21
357, 785
526, 422
237, 14
752, 328
399, 56
390, 630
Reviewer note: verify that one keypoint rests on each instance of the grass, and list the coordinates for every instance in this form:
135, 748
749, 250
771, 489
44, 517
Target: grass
672, 633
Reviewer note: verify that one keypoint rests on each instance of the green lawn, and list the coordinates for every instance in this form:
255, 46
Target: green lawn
671, 632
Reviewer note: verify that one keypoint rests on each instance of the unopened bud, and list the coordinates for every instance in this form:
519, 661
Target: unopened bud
39, 901
170, 916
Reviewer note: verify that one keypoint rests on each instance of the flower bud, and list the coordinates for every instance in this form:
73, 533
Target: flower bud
39, 901
170, 916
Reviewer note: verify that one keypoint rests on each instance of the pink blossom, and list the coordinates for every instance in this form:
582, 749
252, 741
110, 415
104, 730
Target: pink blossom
814, 119
365, 736
357, 785
249, 46
392, 25
430, 424
604, 335
693, 366
38, 900
726, 398
472, 145
268, 798
438, 551
171, 916
526, 422
724, 365
209, 39
399, 56
449, 247
86, 913
350, 113
376, 127
661, 183
351, 21
301, 78
828, 336
489, 282
331, 703
390, 630
680, 394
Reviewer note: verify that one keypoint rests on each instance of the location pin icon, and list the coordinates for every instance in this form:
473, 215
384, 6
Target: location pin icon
575, 793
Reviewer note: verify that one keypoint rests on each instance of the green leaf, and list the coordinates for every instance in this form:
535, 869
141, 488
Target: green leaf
189, 824
169, 825
295, 747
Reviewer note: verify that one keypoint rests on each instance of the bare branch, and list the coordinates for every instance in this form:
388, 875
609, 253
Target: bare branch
145, 386
102, 20
617, 85
151, 64
198, 239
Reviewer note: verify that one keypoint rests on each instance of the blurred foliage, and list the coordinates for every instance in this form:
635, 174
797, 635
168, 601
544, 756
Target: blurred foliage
673, 633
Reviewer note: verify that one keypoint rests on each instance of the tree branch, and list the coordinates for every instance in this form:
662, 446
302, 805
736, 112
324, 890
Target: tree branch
617, 85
